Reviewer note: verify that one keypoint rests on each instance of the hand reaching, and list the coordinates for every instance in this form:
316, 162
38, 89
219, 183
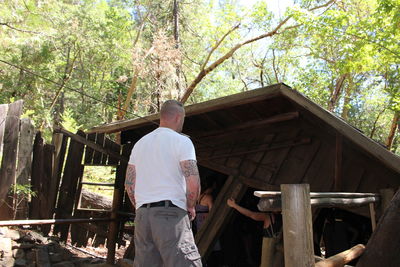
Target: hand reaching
231, 202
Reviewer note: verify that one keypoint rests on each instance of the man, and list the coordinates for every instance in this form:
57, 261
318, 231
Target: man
163, 183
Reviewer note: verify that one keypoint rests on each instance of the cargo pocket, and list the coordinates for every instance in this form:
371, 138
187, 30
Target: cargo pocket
189, 251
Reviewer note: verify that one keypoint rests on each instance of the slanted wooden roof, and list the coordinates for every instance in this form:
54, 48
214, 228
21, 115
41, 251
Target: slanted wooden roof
276, 132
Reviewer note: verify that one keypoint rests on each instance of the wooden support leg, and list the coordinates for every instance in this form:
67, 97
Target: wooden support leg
373, 216
297, 225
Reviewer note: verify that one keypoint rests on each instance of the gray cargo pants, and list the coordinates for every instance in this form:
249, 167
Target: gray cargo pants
163, 238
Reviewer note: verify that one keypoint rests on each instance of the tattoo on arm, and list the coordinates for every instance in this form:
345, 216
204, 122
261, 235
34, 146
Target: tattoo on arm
191, 173
189, 167
130, 181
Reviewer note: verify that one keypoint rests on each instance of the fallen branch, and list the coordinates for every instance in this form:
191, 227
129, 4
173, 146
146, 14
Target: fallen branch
339, 260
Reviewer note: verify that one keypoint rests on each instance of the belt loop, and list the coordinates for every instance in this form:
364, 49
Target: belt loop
167, 203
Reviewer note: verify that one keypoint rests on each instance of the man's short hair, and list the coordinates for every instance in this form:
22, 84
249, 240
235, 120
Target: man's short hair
171, 108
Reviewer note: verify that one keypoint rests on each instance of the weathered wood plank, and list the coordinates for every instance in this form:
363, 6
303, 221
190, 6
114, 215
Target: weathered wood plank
37, 172
319, 194
72, 172
383, 247
10, 142
46, 210
274, 204
297, 225
59, 142
3, 114
24, 165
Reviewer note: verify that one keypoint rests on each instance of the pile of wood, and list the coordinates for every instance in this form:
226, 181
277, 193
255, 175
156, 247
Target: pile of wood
28, 248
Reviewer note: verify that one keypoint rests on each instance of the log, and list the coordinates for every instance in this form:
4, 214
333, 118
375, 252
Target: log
319, 194
297, 225
383, 247
94, 201
274, 204
339, 260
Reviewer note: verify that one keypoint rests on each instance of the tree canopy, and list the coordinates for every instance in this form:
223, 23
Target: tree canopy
83, 63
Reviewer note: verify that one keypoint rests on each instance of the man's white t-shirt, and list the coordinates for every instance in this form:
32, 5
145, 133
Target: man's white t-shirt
157, 158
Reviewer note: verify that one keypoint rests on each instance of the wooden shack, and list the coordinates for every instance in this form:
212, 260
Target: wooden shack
260, 139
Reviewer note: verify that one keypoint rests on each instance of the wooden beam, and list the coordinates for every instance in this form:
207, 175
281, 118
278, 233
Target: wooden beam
253, 124
296, 142
92, 145
275, 204
53, 221
263, 194
297, 225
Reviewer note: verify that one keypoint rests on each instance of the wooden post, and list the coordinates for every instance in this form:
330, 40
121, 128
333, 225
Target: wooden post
373, 216
117, 204
383, 246
297, 225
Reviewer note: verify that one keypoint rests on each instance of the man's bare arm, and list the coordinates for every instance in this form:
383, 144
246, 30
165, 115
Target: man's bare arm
130, 181
191, 173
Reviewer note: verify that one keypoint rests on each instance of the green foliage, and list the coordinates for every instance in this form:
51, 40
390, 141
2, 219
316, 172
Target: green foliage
90, 49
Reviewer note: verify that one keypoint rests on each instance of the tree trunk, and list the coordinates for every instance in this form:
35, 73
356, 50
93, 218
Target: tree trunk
336, 93
347, 98
392, 132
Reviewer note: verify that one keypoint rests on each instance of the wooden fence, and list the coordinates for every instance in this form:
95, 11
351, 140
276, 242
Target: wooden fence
54, 172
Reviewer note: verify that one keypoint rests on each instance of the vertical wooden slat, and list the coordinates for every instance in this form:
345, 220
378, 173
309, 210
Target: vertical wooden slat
46, 211
24, 166
117, 204
89, 152
297, 225
10, 142
72, 171
97, 157
59, 142
37, 172
3, 115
